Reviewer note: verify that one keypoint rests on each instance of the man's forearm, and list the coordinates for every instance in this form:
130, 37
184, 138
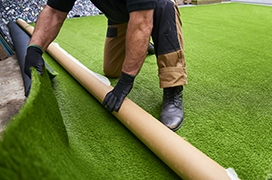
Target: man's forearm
47, 28
138, 35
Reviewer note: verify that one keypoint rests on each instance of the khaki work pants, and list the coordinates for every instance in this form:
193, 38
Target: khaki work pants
168, 42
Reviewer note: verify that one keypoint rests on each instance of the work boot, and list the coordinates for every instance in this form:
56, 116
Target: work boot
172, 108
150, 49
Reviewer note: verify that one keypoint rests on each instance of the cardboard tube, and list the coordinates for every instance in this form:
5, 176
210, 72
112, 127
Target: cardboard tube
183, 158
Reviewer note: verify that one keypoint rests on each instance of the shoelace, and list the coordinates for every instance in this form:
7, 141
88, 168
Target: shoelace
172, 96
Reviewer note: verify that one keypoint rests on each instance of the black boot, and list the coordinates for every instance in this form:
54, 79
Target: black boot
172, 108
150, 49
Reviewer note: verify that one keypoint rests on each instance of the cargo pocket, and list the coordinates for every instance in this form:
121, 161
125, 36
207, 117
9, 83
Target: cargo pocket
168, 43
173, 41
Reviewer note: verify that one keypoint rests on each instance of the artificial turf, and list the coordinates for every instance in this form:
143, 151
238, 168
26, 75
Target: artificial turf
64, 133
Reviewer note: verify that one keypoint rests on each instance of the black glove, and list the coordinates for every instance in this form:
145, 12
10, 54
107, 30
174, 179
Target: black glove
33, 59
115, 98
150, 49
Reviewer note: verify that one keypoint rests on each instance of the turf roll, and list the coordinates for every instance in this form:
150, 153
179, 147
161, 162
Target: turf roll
48, 155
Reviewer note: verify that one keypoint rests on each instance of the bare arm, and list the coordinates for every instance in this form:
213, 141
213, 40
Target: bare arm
48, 26
138, 35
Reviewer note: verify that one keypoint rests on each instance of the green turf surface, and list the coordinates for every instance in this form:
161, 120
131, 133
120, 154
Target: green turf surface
65, 133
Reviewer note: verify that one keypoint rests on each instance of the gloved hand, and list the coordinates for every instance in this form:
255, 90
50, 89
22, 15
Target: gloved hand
115, 98
33, 59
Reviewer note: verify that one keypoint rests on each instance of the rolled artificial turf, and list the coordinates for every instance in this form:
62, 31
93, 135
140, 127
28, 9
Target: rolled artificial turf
62, 132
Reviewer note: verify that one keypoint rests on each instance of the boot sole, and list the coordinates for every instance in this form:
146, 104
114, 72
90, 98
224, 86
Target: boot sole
175, 129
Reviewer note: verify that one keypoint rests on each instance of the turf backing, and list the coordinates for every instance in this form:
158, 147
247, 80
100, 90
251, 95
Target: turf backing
65, 133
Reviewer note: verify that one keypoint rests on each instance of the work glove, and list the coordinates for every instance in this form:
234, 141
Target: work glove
33, 59
115, 98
